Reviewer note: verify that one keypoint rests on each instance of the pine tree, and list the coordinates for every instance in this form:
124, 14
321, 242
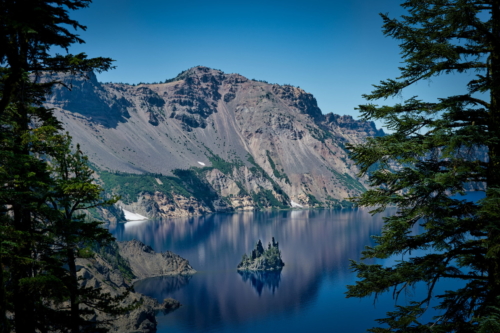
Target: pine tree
32, 275
73, 234
24, 181
28, 30
436, 152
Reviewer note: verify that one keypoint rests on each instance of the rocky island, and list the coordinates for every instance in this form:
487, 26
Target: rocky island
262, 260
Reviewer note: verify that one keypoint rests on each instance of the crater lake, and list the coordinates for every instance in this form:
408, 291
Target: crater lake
308, 295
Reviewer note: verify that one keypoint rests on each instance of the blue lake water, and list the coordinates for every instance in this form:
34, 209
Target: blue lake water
308, 294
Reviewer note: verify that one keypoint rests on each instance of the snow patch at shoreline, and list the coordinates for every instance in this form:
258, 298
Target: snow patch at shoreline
294, 204
129, 216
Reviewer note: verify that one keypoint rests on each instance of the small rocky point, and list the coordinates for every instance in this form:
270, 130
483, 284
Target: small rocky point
115, 269
170, 304
262, 260
145, 262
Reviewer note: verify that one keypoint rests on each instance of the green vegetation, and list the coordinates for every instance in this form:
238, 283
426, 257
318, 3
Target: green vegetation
435, 153
188, 183
252, 161
46, 183
331, 202
276, 173
265, 198
243, 191
222, 165
111, 254
258, 171
349, 182
199, 188
313, 201
129, 185
261, 259
321, 134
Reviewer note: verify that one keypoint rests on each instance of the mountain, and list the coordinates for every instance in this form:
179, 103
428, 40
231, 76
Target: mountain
208, 141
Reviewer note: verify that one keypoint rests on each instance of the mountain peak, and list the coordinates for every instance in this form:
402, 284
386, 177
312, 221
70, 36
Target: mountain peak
245, 143
196, 71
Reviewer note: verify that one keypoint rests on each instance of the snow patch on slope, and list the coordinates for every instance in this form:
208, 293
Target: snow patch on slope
129, 216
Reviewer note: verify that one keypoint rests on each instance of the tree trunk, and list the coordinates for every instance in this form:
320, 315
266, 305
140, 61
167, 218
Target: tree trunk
4, 323
493, 174
24, 303
75, 313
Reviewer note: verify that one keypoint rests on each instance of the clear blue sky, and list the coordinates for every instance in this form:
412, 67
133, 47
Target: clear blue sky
333, 49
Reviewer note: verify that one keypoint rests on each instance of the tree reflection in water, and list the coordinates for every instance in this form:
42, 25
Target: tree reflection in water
261, 279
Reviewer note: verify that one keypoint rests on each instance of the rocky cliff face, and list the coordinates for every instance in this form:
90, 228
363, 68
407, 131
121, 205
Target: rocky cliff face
248, 144
114, 276
158, 204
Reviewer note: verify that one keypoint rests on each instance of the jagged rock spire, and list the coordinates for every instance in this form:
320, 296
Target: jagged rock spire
261, 259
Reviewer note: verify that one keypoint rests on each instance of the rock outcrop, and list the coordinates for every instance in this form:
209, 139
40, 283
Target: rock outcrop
145, 263
158, 205
262, 260
113, 272
247, 144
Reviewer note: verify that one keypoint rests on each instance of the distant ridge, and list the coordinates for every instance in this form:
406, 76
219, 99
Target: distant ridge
244, 144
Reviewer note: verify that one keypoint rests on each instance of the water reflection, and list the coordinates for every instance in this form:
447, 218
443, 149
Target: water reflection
162, 285
316, 246
218, 241
260, 279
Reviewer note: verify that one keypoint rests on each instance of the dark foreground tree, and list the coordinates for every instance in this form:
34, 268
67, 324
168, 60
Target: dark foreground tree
41, 227
438, 151
73, 235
